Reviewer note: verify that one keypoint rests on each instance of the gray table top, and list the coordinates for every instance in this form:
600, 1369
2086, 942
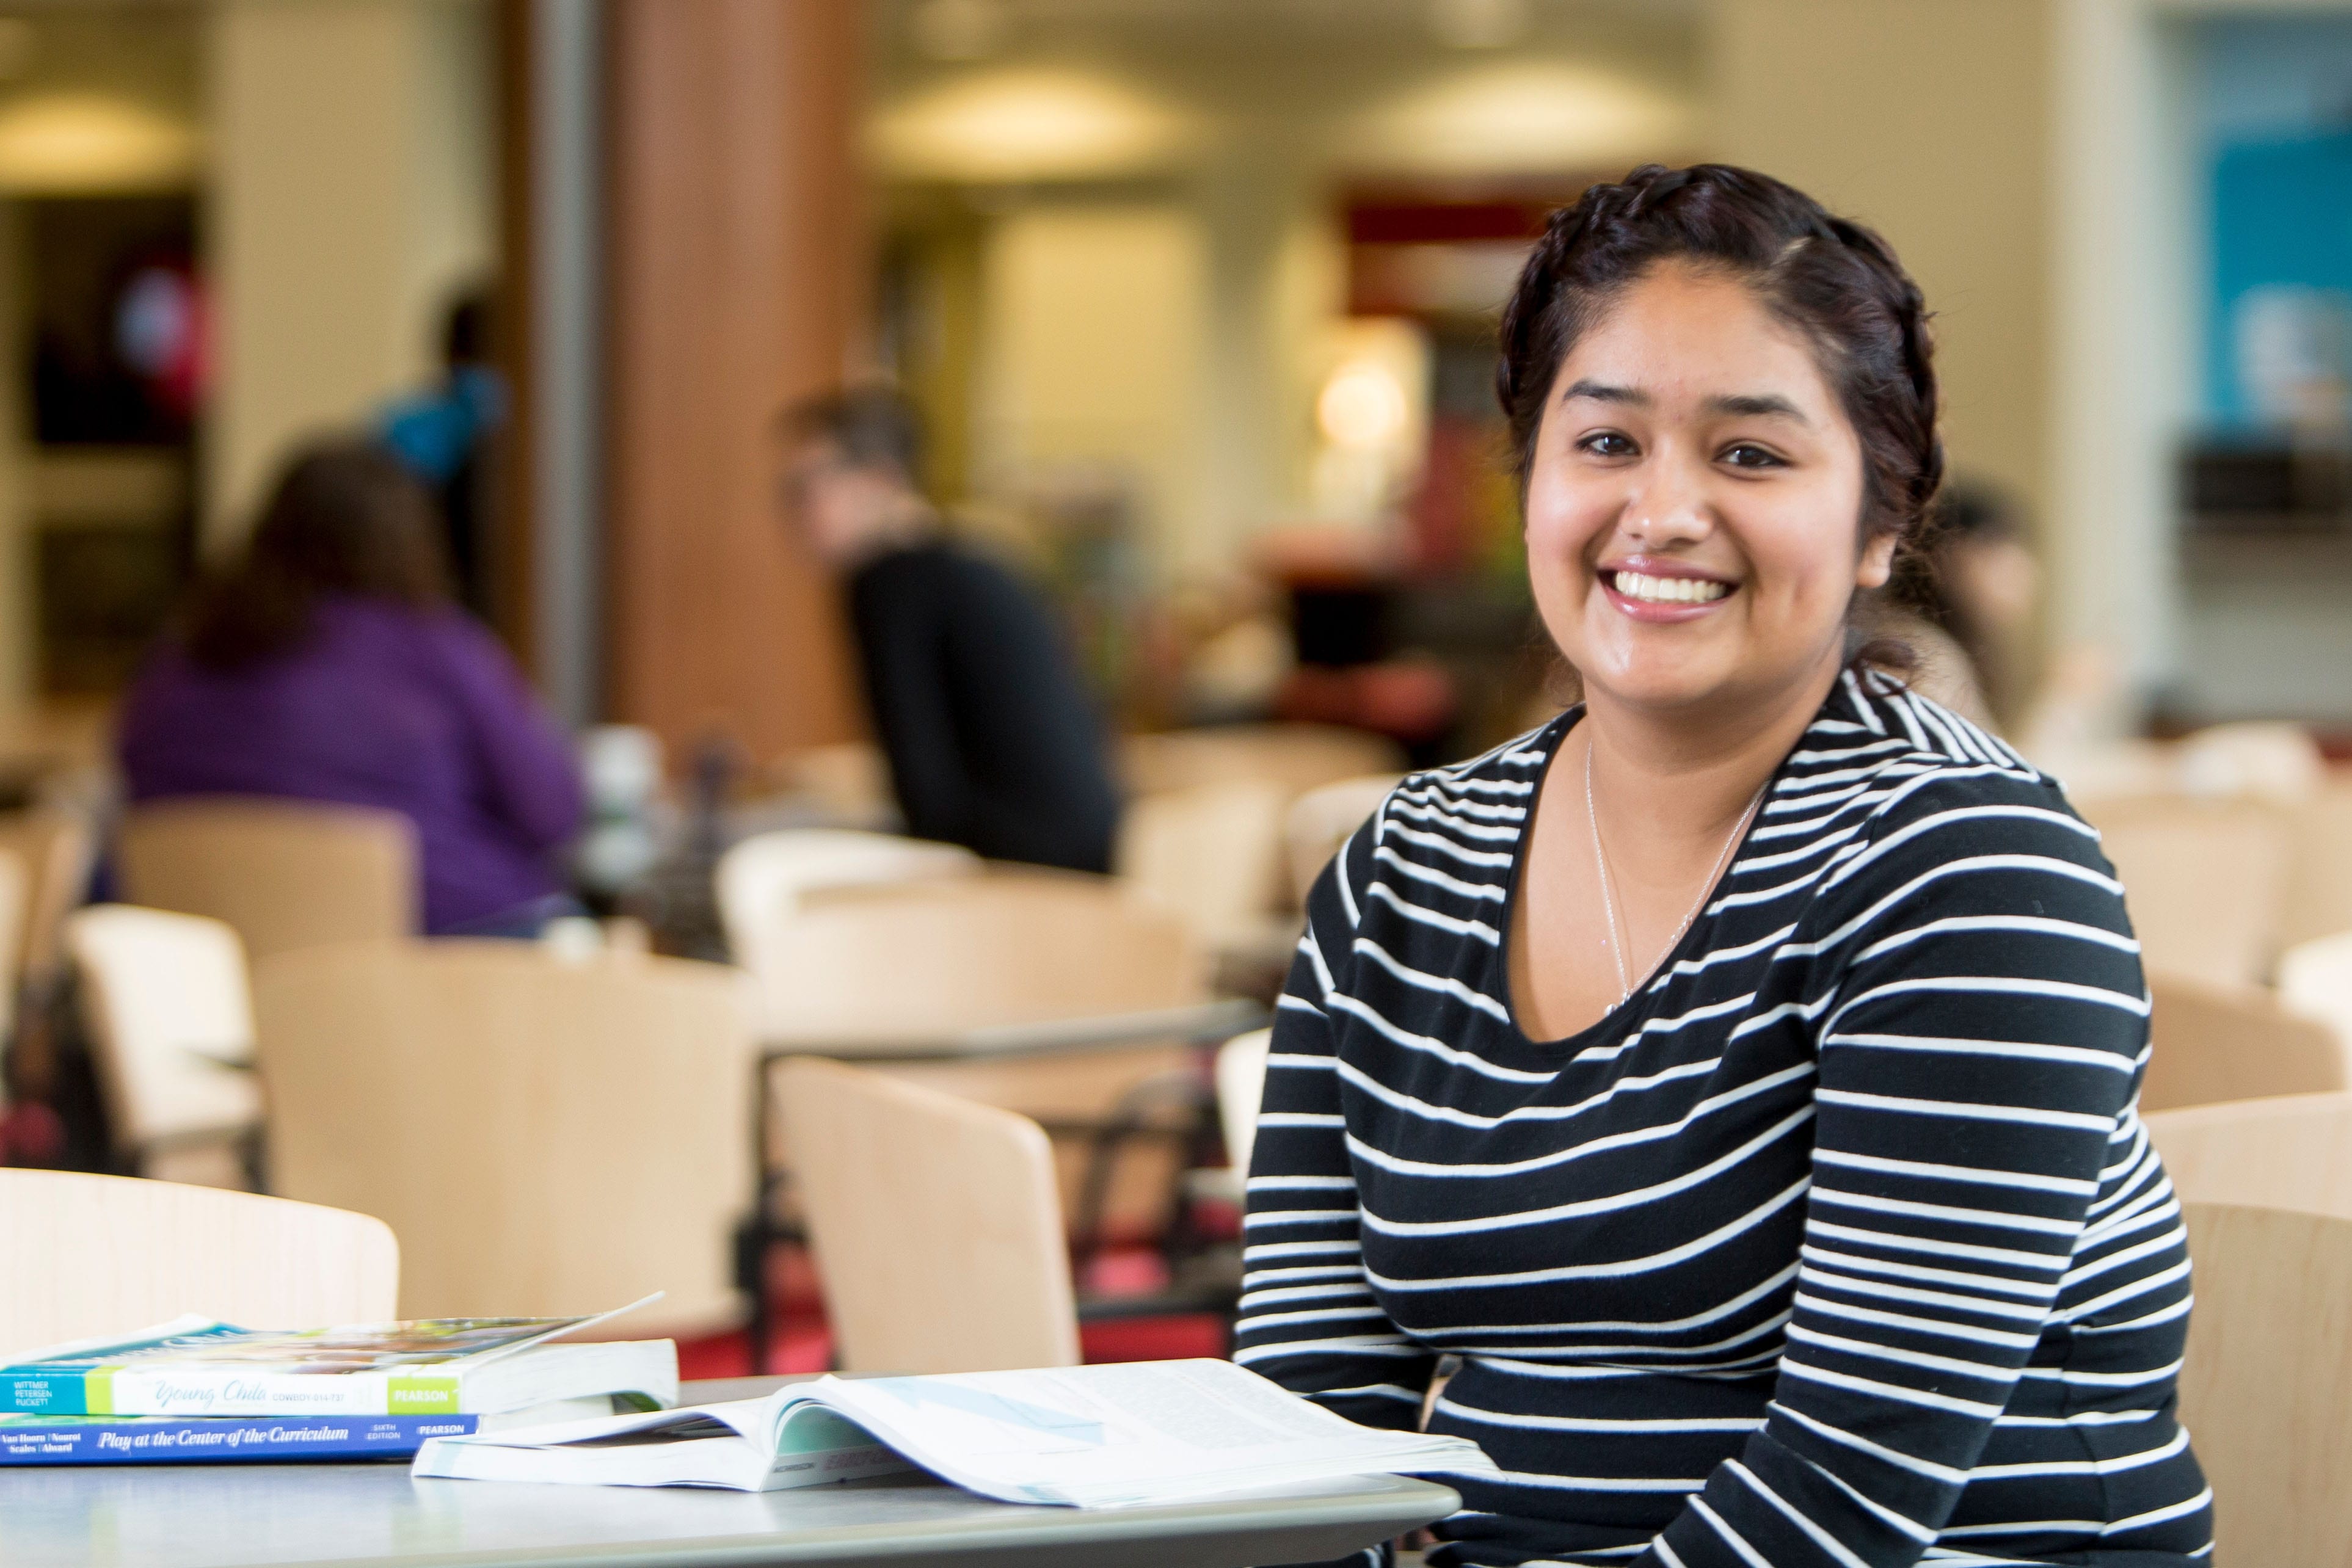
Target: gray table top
211, 1516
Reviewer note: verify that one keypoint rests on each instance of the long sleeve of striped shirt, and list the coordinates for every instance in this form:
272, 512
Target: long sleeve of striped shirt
1840, 1245
1983, 1029
1312, 1323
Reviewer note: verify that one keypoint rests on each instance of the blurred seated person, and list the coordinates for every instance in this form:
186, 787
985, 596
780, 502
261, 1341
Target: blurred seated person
329, 663
994, 742
1965, 600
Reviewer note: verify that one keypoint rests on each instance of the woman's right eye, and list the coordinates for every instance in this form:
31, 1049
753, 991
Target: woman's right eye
1607, 444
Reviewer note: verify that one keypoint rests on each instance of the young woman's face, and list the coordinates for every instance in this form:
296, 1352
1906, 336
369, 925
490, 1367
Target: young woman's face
1693, 502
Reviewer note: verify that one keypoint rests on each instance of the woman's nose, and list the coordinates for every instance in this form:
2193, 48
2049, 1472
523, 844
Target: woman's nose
1671, 504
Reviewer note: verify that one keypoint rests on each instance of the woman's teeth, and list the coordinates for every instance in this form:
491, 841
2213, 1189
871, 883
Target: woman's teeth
1668, 589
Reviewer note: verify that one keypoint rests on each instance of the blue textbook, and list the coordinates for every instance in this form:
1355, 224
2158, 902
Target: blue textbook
271, 1440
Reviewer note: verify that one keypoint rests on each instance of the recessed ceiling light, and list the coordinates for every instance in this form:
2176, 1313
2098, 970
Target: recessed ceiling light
1478, 24
959, 29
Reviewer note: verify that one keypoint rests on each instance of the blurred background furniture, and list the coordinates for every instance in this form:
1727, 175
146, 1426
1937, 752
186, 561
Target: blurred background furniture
2204, 882
546, 1136
1240, 1085
168, 1014
2214, 1042
1212, 853
2266, 1391
1064, 998
935, 1223
1325, 818
764, 880
284, 873
2290, 1151
1295, 758
90, 1255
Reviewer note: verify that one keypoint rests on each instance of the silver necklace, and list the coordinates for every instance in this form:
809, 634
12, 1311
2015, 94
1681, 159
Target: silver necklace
1620, 937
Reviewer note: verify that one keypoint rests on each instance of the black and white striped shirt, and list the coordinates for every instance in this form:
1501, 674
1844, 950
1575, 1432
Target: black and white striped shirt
1839, 1244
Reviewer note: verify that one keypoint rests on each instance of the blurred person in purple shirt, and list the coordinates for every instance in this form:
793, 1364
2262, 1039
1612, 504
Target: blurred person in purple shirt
329, 663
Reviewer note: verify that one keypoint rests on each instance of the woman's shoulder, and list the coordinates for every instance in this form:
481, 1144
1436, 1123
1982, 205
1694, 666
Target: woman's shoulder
1931, 790
1449, 832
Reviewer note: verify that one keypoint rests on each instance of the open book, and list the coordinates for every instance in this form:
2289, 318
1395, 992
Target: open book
1090, 1436
432, 1367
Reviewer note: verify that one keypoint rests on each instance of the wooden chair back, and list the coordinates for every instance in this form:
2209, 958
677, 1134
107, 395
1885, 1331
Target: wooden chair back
921, 960
2205, 882
2266, 1391
55, 848
1325, 818
2290, 1152
2215, 1042
546, 1135
1212, 852
92, 1255
1241, 1087
934, 1223
169, 1014
849, 781
1016, 946
2315, 978
763, 882
1296, 758
286, 873
2253, 761
2318, 898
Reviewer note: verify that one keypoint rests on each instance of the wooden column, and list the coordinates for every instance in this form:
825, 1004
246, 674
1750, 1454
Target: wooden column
737, 283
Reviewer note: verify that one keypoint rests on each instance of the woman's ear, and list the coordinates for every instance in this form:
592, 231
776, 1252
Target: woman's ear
1878, 563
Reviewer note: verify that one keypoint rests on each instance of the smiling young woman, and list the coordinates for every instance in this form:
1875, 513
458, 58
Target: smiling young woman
1737, 1077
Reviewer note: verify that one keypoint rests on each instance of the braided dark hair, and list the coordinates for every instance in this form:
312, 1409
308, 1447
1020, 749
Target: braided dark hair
1832, 279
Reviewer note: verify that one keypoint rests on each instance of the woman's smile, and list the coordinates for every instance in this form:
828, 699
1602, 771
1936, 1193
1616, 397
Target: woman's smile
1661, 592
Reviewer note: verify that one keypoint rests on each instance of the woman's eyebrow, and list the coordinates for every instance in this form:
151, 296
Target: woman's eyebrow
1601, 391
1756, 405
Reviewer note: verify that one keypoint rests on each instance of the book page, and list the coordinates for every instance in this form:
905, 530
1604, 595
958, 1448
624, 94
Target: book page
1104, 1436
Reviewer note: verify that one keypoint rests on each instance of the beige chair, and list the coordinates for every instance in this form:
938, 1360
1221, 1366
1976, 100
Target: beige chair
2266, 1391
546, 1136
1241, 1086
850, 781
2271, 761
2318, 897
169, 1019
1325, 818
2315, 978
1212, 852
2215, 1043
871, 970
2204, 882
55, 848
92, 1255
1294, 757
2290, 1152
284, 873
934, 1223
763, 881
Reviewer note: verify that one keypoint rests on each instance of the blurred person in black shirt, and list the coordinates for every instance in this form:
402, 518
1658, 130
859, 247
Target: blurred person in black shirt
992, 740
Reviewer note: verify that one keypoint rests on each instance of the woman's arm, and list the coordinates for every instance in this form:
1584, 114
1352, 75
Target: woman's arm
1983, 1027
1308, 1317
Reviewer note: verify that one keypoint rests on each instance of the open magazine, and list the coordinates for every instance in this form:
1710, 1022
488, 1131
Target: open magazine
1091, 1437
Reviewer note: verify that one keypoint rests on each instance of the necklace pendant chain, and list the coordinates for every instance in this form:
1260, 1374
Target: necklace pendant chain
1621, 933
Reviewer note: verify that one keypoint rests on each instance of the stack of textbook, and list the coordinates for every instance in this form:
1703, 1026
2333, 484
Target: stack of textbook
194, 1389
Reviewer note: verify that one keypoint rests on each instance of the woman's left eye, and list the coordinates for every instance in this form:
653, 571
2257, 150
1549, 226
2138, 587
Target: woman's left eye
1746, 454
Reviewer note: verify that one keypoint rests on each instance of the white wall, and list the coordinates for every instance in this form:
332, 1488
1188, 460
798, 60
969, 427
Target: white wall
351, 185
